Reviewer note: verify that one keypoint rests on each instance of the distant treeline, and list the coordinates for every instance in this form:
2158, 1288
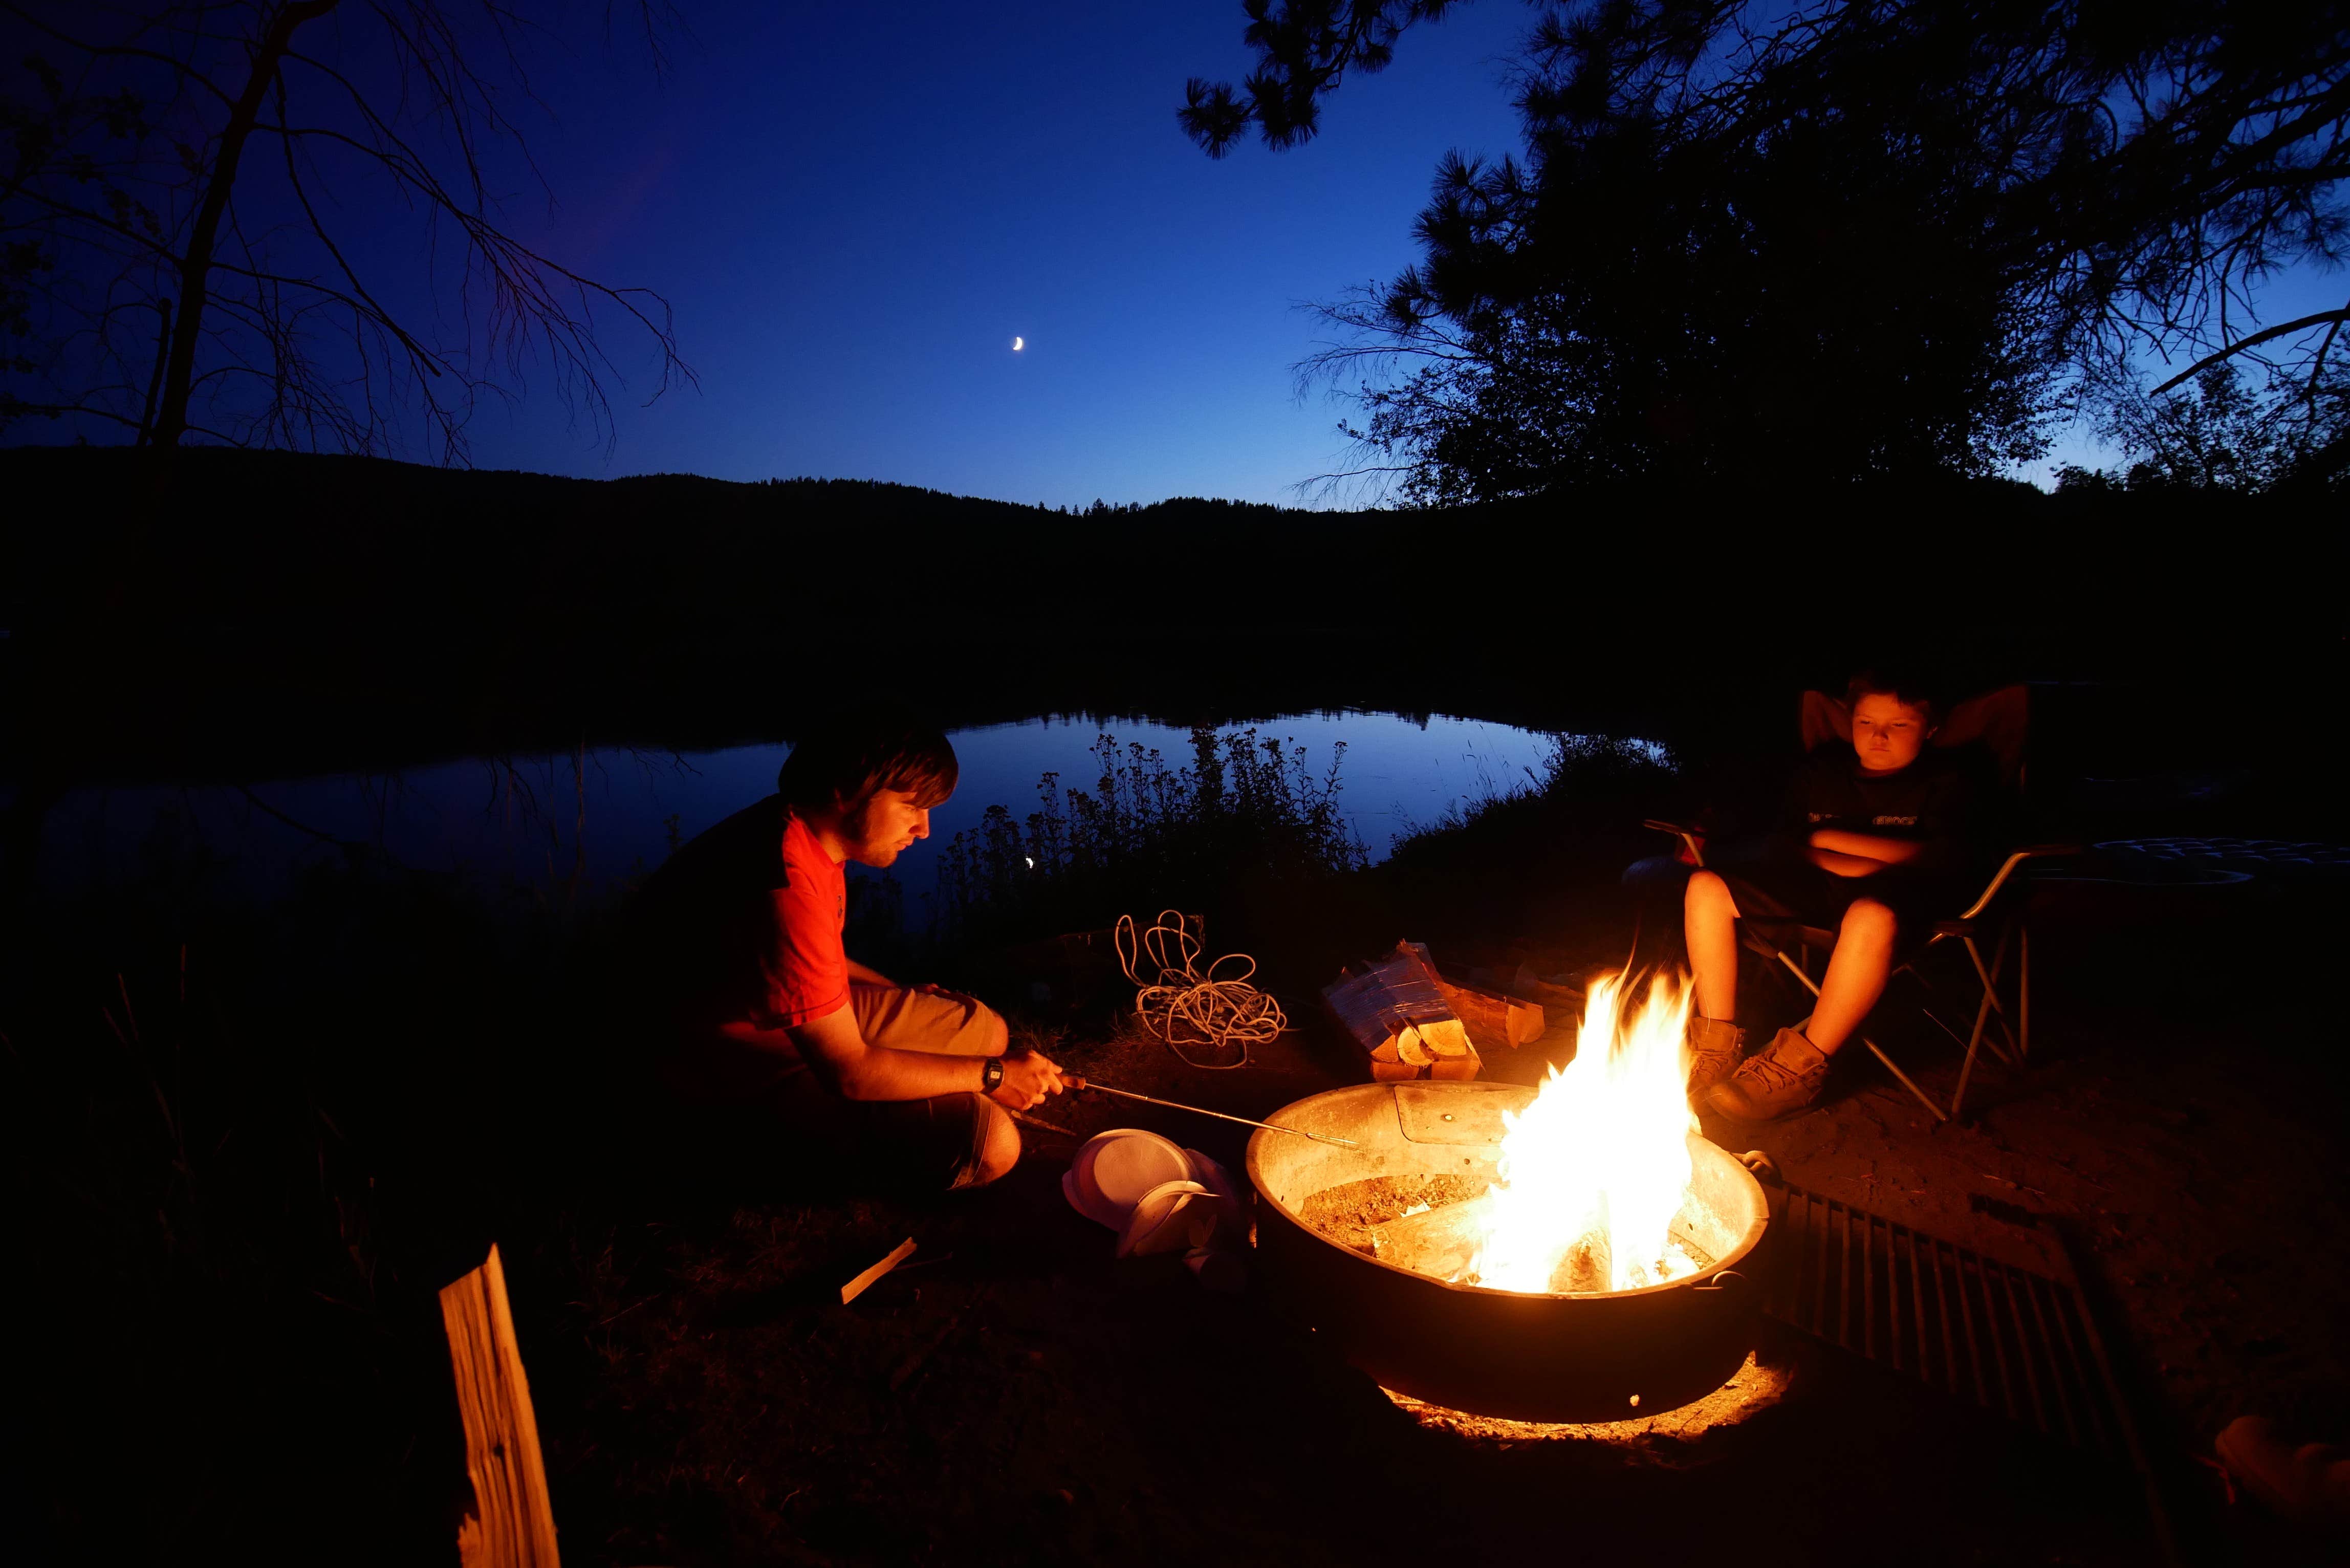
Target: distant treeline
809, 483
222, 613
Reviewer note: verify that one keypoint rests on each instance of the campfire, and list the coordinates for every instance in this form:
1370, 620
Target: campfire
1590, 1177
1562, 1254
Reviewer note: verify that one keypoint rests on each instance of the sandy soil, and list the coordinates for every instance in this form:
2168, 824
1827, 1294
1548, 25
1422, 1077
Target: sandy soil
1016, 1394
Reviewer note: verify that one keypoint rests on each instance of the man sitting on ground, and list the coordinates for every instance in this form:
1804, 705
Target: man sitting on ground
1873, 843
774, 1025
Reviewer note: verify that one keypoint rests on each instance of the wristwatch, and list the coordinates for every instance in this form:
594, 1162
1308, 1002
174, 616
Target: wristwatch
990, 1075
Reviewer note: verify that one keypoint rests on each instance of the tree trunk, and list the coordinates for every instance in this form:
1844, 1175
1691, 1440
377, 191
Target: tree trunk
155, 378
196, 263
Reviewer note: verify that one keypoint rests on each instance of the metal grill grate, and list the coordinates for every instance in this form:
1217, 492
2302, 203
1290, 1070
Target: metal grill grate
2017, 1343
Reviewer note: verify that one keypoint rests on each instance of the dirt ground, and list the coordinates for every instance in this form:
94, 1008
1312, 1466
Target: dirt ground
1014, 1394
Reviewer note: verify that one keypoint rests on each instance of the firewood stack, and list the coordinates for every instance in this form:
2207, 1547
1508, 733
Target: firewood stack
1414, 1024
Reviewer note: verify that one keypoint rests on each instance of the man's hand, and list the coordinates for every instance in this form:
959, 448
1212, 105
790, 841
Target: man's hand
1027, 1079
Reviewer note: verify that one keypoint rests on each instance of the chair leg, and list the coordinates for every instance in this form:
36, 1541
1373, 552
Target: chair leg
1932, 1109
2024, 986
1797, 970
1936, 1019
1966, 1071
1875, 1049
1989, 975
1991, 1004
1998, 968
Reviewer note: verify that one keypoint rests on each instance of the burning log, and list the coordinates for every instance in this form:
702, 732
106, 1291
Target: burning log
1444, 1244
1397, 1010
1440, 1243
1593, 1176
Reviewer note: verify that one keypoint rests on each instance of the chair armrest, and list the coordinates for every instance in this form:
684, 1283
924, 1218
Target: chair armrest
1691, 836
2007, 869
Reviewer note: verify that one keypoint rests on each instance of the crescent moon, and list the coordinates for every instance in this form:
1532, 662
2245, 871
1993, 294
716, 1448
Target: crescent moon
1018, 344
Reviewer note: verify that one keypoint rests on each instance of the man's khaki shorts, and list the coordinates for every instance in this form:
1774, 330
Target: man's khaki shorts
909, 1145
940, 1021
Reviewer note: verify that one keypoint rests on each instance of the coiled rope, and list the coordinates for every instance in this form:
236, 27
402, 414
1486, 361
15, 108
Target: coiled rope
1185, 1005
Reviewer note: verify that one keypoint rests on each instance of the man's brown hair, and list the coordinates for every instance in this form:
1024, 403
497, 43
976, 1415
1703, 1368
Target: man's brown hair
847, 760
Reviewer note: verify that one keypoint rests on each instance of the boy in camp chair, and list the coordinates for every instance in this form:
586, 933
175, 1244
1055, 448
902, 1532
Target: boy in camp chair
1872, 843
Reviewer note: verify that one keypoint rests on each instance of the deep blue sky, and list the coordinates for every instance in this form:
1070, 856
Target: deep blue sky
854, 210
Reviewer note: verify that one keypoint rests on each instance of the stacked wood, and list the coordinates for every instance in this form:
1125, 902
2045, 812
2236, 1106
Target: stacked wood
1495, 1019
1397, 1010
1550, 990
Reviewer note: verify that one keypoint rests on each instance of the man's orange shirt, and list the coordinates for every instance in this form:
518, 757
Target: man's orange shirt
742, 925
801, 956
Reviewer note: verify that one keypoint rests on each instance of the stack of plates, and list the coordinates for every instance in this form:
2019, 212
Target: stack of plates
1159, 1196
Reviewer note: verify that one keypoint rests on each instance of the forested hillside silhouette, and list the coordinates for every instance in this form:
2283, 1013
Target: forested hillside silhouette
218, 613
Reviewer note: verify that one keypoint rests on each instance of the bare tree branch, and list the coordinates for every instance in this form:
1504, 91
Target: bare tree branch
2283, 329
130, 195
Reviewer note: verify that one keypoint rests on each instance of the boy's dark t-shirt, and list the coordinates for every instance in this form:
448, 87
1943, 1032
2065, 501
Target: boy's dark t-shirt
1928, 803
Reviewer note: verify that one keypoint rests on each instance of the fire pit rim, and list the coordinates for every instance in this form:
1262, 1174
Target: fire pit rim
1750, 1239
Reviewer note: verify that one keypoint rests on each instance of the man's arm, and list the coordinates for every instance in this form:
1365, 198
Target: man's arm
838, 1053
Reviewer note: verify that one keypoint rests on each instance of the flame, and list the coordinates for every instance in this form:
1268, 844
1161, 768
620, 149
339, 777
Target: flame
1594, 1170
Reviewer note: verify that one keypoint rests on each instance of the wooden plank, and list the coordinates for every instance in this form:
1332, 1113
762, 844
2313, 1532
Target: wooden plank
1495, 1020
512, 1521
858, 1286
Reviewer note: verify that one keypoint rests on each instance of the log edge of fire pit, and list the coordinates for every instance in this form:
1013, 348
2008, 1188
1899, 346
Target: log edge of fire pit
1523, 1357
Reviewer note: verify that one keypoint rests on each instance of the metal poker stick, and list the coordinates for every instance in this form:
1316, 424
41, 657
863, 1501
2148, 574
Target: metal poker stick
1197, 1111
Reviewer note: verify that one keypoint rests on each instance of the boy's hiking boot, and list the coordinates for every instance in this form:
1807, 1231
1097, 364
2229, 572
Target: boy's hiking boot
1785, 1075
1715, 1045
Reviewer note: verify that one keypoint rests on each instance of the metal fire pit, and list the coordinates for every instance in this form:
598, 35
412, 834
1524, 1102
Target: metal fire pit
1603, 1356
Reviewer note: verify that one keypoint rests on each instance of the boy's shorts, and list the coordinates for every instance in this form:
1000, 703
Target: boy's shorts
1778, 884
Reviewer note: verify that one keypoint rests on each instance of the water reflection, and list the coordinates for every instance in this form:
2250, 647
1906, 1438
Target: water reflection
577, 824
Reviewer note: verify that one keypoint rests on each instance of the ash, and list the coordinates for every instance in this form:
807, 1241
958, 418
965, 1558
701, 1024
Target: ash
1346, 1212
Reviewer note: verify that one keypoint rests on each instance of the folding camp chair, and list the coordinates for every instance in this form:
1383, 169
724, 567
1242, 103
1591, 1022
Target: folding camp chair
1997, 721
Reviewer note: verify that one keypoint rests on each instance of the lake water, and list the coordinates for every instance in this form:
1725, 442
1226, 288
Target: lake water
542, 822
